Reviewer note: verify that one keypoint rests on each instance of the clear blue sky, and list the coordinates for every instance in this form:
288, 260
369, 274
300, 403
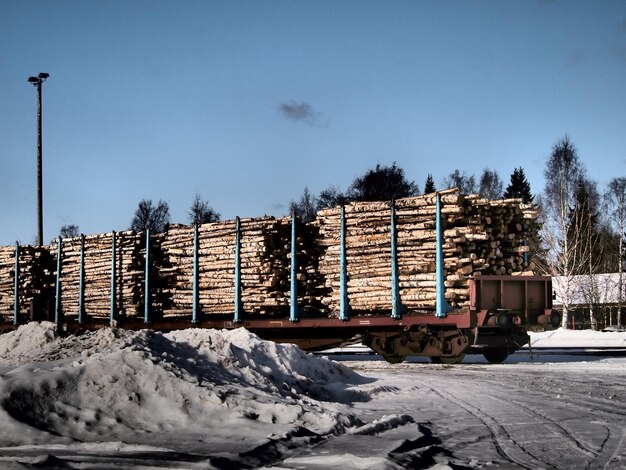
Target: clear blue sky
248, 102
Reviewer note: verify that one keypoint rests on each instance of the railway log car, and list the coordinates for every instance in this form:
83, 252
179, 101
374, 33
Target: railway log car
439, 275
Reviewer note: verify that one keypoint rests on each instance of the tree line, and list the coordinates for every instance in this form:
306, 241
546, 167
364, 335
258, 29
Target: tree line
581, 229
156, 217
386, 183
382, 183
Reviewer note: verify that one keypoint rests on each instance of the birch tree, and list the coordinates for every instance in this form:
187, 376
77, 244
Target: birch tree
615, 198
330, 197
305, 207
490, 185
585, 235
458, 179
201, 212
147, 216
562, 238
69, 231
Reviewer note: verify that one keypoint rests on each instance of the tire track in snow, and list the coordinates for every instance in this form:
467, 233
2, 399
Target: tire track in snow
610, 448
581, 446
506, 445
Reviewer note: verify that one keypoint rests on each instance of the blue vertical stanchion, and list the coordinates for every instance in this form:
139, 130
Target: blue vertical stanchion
343, 271
16, 286
58, 314
442, 307
395, 287
293, 315
146, 293
113, 278
81, 284
238, 304
196, 277
526, 257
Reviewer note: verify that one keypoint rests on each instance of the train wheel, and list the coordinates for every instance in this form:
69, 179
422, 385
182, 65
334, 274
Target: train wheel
393, 358
496, 355
447, 359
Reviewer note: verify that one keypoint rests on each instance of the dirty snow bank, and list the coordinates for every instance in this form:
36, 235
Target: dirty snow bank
111, 385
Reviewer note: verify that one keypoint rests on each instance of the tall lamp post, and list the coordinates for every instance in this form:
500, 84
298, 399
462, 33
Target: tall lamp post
37, 81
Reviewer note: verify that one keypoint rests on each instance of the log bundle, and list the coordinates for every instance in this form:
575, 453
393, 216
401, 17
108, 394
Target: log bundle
98, 264
265, 247
480, 236
35, 281
7, 270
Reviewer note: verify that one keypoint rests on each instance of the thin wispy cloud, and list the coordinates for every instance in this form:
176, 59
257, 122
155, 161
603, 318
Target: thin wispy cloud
303, 112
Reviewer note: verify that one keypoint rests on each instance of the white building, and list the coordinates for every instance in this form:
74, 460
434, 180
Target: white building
587, 294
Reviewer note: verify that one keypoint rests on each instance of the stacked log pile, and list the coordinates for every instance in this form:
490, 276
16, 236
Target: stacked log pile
98, 254
480, 236
216, 240
7, 268
36, 280
264, 266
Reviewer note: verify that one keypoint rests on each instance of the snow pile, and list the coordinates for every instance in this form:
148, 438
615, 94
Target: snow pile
40, 342
562, 338
113, 384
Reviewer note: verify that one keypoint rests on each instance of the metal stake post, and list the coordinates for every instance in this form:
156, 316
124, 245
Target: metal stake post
238, 304
57, 309
113, 279
294, 272
195, 310
16, 286
442, 307
81, 287
146, 294
395, 287
343, 274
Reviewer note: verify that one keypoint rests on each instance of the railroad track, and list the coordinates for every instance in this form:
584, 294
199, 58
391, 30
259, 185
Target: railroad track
607, 351
611, 351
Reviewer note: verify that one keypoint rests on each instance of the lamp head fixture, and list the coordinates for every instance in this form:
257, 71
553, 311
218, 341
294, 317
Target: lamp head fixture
39, 79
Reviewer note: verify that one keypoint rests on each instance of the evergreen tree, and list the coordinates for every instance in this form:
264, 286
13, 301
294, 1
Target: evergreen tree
429, 187
519, 187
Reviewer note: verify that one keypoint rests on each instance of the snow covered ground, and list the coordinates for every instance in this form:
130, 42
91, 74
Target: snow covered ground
197, 398
561, 338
